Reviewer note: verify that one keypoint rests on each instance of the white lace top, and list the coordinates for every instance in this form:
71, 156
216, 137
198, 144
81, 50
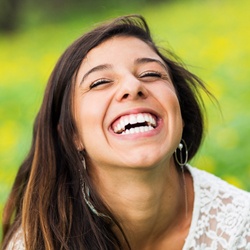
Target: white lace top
221, 216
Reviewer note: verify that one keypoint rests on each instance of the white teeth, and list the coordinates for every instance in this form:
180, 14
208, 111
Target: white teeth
142, 129
152, 121
140, 118
126, 121
122, 123
137, 130
146, 117
133, 119
118, 126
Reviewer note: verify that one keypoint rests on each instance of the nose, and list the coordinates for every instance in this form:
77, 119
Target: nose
131, 89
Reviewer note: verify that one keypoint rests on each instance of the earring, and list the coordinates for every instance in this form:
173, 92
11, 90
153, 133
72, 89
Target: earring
84, 163
182, 163
179, 155
86, 194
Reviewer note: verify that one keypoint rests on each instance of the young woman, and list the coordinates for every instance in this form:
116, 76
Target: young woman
108, 165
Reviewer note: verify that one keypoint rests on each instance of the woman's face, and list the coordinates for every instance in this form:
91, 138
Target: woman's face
126, 109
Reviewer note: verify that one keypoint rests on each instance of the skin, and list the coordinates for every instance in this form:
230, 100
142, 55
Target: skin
135, 174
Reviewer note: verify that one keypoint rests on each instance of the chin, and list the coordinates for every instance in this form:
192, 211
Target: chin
144, 162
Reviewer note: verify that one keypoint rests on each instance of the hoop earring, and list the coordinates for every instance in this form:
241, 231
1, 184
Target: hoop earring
180, 147
86, 193
182, 164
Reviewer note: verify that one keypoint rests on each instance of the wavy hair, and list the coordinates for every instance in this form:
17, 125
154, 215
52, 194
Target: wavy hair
46, 199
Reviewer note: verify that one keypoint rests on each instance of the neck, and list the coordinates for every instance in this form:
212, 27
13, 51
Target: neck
149, 204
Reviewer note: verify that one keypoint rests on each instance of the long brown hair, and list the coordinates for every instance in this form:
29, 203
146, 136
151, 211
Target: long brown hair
46, 199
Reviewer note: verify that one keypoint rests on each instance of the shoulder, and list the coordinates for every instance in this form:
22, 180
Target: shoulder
221, 213
17, 241
214, 188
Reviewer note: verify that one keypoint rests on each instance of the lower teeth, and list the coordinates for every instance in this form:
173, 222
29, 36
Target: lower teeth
137, 130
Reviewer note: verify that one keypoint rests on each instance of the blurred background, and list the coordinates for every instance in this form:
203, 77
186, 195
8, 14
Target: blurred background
211, 36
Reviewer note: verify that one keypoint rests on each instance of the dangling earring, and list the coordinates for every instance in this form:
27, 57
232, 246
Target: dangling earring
182, 163
86, 193
180, 148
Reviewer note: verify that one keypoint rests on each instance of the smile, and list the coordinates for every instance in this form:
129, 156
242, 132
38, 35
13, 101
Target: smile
135, 123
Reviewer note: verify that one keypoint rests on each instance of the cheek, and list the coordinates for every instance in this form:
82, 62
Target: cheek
172, 106
89, 113
177, 112
169, 99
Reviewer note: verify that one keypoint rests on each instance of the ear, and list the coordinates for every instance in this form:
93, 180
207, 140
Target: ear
78, 143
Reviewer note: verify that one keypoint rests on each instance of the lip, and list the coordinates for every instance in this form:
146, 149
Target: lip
137, 111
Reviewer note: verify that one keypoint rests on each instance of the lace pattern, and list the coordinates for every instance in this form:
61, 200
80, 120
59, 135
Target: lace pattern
17, 243
221, 216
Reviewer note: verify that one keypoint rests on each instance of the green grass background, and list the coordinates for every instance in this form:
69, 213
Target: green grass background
211, 36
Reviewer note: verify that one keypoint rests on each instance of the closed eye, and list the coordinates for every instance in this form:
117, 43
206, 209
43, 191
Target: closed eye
151, 74
154, 75
99, 82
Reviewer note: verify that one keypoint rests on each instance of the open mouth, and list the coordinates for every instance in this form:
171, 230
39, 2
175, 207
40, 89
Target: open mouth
135, 123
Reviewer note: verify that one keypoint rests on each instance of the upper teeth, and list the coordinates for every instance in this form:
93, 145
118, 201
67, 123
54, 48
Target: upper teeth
133, 119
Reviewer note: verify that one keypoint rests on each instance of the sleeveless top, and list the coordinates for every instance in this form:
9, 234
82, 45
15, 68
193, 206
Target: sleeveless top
220, 220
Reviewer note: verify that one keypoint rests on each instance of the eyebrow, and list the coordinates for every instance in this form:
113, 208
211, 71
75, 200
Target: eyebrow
96, 68
142, 60
149, 60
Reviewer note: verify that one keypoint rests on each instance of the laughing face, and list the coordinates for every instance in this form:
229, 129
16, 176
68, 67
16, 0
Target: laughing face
125, 106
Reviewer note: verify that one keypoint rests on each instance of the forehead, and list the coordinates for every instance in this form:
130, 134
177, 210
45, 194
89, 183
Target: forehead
116, 49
